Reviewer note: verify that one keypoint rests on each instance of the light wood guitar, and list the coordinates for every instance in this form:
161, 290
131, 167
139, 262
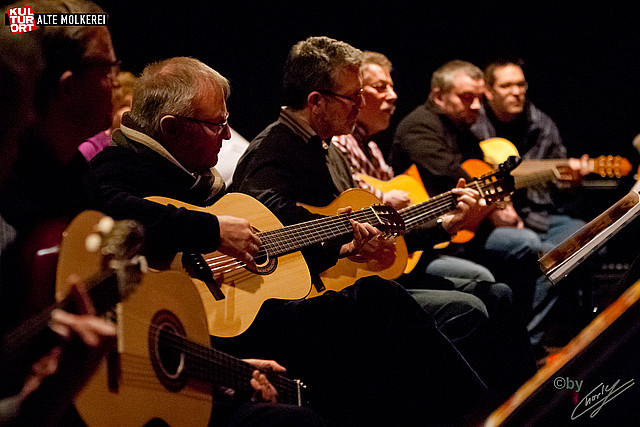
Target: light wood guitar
232, 294
164, 367
494, 186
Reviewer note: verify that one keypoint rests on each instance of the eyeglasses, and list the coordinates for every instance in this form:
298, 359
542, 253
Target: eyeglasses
220, 125
355, 99
112, 74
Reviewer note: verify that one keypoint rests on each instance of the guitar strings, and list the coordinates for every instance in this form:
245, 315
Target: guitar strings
204, 360
291, 238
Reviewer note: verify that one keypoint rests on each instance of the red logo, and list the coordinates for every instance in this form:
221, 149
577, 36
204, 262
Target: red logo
22, 19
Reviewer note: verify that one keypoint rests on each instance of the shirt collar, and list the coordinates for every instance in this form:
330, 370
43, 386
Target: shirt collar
295, 121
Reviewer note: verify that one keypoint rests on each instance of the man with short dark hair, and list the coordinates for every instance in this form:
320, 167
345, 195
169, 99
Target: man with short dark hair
437, 137
287, 164
509, 114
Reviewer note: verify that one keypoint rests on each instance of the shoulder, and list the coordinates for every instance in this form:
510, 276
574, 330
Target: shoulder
538, 117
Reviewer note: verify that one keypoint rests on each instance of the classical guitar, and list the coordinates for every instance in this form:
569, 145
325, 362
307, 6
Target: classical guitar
494, 186
411, 183
536, 172
114, 249
164, 367
232, 293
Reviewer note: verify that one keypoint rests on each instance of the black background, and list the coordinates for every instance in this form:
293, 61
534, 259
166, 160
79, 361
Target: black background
581, 58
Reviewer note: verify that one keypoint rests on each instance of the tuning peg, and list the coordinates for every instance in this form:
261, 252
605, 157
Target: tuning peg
105, 225
93, 242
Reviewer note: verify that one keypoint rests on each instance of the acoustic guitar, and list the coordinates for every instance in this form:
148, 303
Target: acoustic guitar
494, 186
114, 247
232, 293
164, 367
537, 172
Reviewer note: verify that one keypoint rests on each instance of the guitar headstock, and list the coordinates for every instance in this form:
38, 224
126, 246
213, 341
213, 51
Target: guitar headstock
95, 248
388, 221
119, 243
497, 185
611, 166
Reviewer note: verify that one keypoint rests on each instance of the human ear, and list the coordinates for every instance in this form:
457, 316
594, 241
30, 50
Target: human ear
169, 126
65, 82
436, 96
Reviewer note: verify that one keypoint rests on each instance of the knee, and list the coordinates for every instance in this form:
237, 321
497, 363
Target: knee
513, 242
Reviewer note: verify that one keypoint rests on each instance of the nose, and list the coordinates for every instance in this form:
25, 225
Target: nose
475, 105
392, 96
226, 132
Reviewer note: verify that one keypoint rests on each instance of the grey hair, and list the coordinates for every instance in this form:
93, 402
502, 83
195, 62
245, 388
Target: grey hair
170, 87
313, 64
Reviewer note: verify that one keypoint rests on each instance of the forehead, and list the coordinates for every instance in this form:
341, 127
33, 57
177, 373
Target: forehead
99, 45
463, 84
210, 101
372, 73
509, 72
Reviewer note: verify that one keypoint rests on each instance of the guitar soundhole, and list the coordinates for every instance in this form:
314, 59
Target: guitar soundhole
264, 264
166, 337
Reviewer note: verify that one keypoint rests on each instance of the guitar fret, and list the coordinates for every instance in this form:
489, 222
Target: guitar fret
293, 237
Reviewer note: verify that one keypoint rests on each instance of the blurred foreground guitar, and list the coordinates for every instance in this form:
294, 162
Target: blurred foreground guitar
232, 293
113, 248
494, 186
164, 367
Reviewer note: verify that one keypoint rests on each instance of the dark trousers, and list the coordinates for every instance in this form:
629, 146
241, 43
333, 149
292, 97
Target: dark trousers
370, 355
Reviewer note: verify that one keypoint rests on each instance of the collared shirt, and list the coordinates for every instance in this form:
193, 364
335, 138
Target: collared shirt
364, 157
299, 125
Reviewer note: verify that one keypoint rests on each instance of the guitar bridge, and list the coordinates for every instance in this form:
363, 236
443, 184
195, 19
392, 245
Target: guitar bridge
196, 267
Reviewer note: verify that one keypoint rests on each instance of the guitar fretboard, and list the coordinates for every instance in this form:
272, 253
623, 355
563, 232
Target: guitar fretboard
294, 237
219, 368
441, 204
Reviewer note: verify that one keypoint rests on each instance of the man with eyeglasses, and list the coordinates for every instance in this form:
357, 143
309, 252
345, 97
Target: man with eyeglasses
508, 114
72, 102
467, 283
291, 162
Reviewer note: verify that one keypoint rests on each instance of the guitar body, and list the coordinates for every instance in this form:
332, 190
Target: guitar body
349, 269
245, 291
497, 150
411, 183
127, 390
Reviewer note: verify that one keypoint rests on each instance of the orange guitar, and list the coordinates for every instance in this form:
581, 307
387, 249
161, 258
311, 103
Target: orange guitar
494, 186
232, 294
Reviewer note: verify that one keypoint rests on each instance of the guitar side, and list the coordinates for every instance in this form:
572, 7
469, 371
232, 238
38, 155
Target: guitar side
244, 291
348, 270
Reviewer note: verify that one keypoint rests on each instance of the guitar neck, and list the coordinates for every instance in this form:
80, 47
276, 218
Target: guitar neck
225, 370
441, 204
533, 179
292, 238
